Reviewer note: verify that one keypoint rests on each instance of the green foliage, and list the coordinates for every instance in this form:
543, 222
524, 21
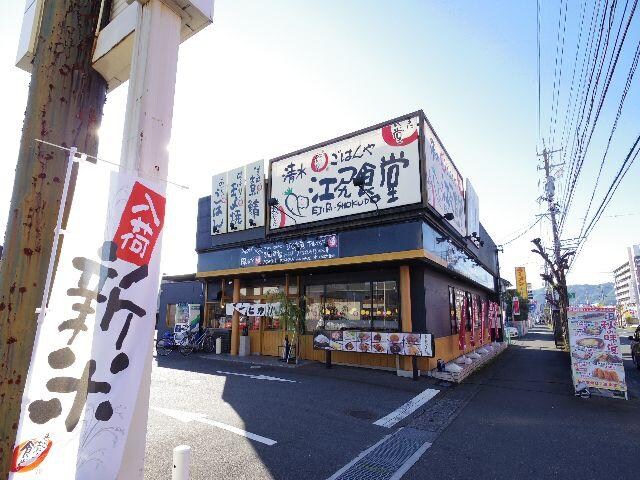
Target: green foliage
291, 313
507, 297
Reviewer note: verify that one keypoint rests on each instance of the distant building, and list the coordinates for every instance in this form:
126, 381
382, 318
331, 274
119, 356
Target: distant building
626, 279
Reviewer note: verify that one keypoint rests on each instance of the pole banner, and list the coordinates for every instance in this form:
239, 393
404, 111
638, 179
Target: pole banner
94, 339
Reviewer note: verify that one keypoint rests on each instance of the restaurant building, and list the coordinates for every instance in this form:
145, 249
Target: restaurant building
375, 231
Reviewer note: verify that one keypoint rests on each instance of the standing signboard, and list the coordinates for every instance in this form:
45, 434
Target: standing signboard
318, 184
596, 358
219, 204
235, 199
93, 340
445, 188
515, 304
521, 282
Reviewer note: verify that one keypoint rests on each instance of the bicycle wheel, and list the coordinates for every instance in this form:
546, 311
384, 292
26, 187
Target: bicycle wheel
163, 347
209, 345
186, 348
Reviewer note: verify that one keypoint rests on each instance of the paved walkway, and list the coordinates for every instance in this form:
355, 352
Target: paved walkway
522, 420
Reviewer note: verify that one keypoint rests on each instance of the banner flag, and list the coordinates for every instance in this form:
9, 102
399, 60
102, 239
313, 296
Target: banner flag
94, 339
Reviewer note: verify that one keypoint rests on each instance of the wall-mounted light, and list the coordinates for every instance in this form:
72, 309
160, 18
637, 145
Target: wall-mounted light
442, 239
448, 216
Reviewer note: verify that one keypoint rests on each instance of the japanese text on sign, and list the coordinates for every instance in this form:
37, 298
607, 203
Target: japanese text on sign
319, 184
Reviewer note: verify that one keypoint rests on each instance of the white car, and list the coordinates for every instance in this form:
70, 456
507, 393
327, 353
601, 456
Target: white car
512, 332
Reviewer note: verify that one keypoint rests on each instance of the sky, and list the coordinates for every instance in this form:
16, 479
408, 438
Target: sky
268, 78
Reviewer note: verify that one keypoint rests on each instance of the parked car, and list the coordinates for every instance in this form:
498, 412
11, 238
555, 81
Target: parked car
512, 332
635, 348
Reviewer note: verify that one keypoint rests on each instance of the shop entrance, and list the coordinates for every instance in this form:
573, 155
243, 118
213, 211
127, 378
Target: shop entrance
266, 333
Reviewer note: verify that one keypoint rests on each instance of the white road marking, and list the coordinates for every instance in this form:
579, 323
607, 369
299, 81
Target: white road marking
407, 409
258, 377
201, 418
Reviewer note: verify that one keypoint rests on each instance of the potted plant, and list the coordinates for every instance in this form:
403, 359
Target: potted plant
292, 315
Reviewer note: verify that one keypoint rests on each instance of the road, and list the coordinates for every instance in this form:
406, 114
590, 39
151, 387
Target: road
517, 417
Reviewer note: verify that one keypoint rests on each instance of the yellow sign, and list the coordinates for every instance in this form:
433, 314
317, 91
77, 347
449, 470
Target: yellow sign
521, 282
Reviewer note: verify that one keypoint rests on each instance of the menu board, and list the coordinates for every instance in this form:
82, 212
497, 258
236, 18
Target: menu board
596, 359
394, 343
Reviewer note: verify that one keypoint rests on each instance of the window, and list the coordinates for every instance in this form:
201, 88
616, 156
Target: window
347, 306
385, 308
314, 295
353, 306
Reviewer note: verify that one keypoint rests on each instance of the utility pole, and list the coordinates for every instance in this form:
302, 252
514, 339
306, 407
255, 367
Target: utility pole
559, 264
64, 107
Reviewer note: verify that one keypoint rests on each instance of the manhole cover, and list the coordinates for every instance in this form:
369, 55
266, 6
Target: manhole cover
361, 414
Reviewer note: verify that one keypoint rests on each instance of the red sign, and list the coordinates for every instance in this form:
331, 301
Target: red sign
140, 225
516, 306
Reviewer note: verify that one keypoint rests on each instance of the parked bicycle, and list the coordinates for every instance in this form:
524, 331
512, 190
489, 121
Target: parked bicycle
192, 341
166, 344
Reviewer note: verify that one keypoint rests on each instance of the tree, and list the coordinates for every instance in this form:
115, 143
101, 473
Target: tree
64, 107
558, 281
292, 315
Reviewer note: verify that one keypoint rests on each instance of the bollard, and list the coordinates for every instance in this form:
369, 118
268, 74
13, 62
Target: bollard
181, 461
218, 345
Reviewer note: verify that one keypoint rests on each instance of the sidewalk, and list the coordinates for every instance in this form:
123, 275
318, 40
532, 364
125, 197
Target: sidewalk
522, 420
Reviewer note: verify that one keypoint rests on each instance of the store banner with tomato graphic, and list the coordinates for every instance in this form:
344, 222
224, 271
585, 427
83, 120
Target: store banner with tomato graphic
375, 170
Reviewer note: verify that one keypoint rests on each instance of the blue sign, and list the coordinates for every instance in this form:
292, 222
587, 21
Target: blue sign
304, 250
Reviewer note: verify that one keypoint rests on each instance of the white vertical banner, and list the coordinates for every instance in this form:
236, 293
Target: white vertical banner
235, 199
472, 210
93, 342
254, 194
219, 204
445, 188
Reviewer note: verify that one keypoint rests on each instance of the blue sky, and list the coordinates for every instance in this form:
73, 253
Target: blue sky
271, 77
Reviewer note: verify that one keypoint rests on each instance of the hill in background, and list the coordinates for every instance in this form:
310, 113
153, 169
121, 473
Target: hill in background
585, 294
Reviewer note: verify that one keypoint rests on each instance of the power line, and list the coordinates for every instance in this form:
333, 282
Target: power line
523, 233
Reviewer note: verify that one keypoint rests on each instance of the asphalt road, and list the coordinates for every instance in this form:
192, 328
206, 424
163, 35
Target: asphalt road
516, 418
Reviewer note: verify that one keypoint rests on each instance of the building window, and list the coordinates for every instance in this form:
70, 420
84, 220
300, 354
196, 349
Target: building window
385, 309
347, 306
352, 306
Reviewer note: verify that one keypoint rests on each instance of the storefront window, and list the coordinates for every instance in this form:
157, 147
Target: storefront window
347, 306
352, 306
215, 316
314, 295
385, 307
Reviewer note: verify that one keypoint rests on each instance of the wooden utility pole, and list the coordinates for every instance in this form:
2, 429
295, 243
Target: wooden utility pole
64, 107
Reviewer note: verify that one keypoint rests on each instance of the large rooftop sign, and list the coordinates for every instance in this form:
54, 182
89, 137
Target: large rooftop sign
372, 170
445, 187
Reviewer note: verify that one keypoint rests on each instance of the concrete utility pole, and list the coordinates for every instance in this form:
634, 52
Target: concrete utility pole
64, 106
559, 264
147, 132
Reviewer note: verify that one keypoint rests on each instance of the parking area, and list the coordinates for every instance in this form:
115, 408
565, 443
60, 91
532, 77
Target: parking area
248, 421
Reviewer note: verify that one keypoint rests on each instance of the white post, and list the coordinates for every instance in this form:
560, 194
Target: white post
147, 132
181, 462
